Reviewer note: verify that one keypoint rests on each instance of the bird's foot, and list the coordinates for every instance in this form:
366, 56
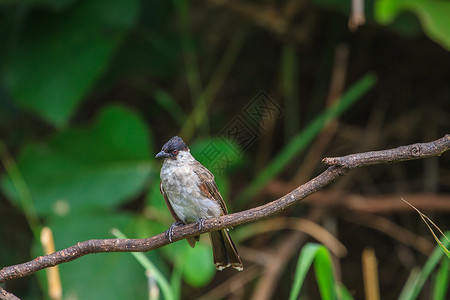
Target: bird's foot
169, 232
201, 224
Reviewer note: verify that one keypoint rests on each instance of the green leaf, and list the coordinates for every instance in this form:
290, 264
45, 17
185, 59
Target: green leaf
343, 293
323, 269
88, 168
304, 263
417, 280
433, 15
99, 276
59, 57
442, 281
198, 265
324, 274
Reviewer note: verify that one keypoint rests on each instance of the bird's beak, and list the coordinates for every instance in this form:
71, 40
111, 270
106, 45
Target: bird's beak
162, 154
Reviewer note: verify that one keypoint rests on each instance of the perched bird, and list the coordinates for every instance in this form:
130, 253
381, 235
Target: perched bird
191, 194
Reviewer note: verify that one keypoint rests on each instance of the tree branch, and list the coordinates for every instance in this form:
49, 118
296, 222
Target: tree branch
4, 295
338, 166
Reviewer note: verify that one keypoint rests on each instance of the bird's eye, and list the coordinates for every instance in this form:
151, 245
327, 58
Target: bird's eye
174, 151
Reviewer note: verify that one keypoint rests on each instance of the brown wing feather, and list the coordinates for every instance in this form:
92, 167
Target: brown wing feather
208, 185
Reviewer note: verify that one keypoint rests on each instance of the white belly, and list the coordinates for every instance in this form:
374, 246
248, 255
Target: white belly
188, 202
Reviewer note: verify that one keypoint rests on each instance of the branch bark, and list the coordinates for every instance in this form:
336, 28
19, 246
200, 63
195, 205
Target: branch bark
7, 296
338, 166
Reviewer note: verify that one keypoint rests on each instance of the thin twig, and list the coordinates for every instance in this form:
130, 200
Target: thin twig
339, 166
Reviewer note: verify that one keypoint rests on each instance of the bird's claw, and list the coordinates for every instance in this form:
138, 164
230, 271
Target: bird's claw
201, 224
169, 232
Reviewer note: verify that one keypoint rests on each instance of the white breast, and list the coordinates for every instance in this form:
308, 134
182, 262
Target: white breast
181, 186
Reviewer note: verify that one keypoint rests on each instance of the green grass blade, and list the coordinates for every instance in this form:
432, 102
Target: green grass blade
23, 192
304, 263
150, 267
301, 140
343, 293
324, 274
442, 281
427, 222
411, 291
318, 254
412, 280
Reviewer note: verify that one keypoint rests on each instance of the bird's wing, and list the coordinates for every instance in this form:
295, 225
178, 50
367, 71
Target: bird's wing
172, 212
208, 185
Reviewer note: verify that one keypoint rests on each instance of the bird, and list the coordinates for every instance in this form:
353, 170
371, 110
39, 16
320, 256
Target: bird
191, 194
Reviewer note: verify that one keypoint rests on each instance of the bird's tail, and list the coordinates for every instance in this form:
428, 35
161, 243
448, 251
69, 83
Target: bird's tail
224, 251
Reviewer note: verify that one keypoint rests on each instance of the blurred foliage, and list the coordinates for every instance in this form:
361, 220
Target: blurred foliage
323, 269
417, 279
91, 89
83, 164
93, 276
302, 139
330, 289
152, 271
432, 14
68, 52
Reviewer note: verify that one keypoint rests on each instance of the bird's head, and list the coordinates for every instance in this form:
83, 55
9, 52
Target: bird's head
172, 148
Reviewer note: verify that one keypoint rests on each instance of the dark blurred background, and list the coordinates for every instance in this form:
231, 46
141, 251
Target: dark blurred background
261, 91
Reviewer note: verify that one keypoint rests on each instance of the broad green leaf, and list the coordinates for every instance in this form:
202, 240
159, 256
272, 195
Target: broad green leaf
97, 276
433, 15
87, 168
59, 56
198, 265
